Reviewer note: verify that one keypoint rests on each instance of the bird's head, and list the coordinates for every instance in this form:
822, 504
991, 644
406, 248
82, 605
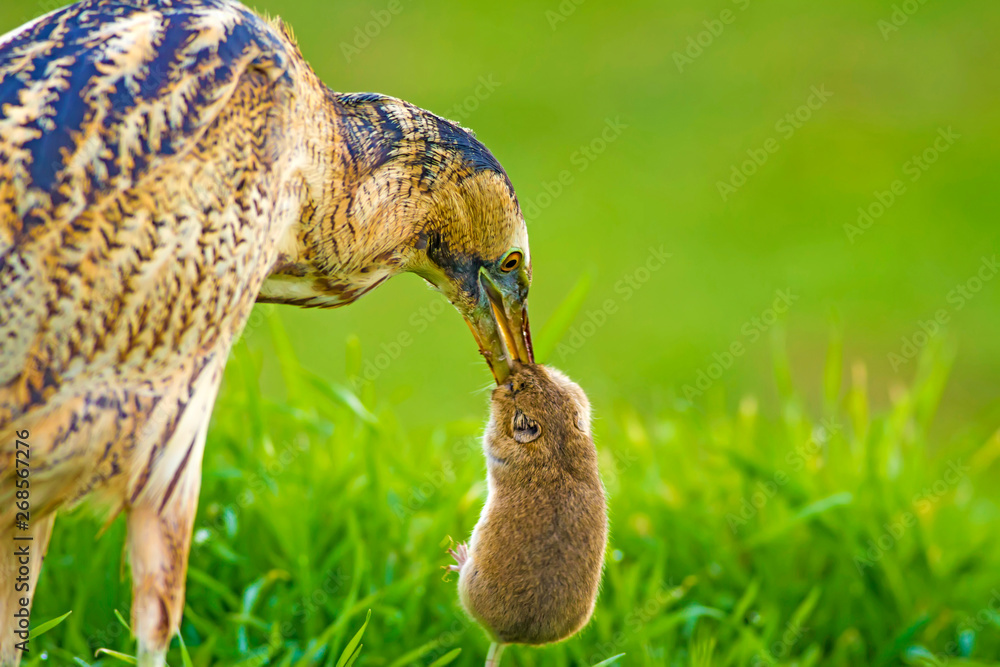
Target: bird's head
405, 190
473, 247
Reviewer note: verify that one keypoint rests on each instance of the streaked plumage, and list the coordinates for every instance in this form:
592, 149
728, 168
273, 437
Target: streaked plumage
163, 165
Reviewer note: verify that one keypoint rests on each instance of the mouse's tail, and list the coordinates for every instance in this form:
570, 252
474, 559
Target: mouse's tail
493, 657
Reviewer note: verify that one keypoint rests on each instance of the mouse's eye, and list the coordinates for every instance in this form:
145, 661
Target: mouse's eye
525, 428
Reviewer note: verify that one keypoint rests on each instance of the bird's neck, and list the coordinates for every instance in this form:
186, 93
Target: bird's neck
364, 200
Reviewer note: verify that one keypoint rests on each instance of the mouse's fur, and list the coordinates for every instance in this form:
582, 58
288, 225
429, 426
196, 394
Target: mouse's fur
535, 558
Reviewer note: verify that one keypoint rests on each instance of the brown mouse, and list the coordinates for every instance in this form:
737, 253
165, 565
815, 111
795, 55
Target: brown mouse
531, 571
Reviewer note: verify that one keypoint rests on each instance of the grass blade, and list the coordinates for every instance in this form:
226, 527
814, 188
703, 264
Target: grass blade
901, 640
248, 373
115, 654
213, 584
354, 657
803, 611
834, 368
342, 396
289, 364
807, 512
48, 625
562, 317
412, 656
352, 359
447, 658
121, 619
185, 656
352, 646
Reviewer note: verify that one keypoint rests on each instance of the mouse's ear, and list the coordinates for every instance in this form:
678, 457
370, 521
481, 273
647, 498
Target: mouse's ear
525, 428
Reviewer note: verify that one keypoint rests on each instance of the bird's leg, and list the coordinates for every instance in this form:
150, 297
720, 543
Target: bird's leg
159, 540
161, 519
20, 574
493, 657
461, 554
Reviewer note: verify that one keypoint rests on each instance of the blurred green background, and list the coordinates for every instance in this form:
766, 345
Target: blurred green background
656, 185
553, 82
617, 122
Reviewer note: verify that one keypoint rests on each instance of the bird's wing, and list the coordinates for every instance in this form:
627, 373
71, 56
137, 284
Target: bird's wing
94, 95
135, 147
95, 100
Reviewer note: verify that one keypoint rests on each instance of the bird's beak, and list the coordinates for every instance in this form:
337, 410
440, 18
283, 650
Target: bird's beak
501, 328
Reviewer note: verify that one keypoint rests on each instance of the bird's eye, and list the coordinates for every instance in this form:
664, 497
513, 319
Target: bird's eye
511, 262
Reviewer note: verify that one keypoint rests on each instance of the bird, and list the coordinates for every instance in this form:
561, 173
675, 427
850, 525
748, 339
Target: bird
165, 165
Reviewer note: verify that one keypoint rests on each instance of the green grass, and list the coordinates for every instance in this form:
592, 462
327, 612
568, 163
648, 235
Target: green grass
737, 538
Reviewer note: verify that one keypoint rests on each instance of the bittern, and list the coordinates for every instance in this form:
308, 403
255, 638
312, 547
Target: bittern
163, 166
